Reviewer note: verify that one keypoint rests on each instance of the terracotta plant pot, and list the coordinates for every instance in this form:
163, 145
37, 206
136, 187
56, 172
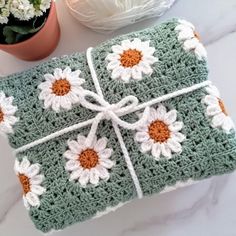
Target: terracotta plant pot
42, 44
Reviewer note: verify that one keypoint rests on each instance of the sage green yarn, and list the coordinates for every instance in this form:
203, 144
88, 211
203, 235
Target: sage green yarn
206, 151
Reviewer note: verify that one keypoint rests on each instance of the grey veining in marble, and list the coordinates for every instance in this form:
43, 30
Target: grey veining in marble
207, 208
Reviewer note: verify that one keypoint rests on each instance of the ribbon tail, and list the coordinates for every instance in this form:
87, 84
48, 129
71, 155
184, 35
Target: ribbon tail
93, 130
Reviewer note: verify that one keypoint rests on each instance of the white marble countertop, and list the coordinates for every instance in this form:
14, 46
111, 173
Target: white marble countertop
207, 208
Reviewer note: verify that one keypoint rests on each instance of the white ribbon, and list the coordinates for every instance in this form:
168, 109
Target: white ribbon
110, 111
113, 112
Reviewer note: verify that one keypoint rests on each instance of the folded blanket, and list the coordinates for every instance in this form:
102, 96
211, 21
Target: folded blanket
127, 119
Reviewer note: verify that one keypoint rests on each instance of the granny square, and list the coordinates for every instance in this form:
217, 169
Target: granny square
130, 118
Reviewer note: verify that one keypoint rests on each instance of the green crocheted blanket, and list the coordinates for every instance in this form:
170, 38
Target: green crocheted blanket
127, 119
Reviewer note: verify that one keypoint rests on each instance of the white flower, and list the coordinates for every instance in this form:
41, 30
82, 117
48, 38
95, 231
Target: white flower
4, 11
7, 112
44, 5
216, 110
190, 39
62, 89
31, 181
161, 134
22, 9
88, 164
131, 60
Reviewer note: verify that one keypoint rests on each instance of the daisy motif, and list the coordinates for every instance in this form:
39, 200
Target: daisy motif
88, 164
131, 60
216, 110
190, 39
7, 114
31, 181
161, 134
61, 90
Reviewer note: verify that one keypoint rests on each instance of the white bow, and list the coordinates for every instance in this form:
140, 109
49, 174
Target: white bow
110, 111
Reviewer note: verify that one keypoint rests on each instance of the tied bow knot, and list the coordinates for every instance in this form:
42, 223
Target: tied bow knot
111, 112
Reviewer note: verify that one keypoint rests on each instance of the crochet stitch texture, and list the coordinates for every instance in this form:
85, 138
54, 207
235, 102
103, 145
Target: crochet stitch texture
206, 151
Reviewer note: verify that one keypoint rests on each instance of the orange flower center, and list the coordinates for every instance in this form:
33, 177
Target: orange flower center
88, 158
159, 131
61, 87
25, 182
197, 35
222, 106
1, 116
130, 57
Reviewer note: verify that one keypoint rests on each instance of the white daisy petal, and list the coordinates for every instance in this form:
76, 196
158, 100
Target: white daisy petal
117, 49
32, 199
161, 112
76, 174
156, 150
81, 140
38, 190
24, 165
200, 51
107, 163
103, 172
213, 110
33, 170
49, 78
174, 146
17, 167
84, 177
176, 126
72, 165
94, 176
179, 137
218, 120
165, 150
210, 100
106, 153
170, 117
37, 179
185, 34
100, 144
26, 204
141, 136
212, 90
228, 124
146, 146
74, 146
58, 73
70, 155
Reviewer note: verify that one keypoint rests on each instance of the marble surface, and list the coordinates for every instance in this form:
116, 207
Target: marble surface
207, 208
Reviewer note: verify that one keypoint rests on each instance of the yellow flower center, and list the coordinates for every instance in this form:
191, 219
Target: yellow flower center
222, 106
159, 131
88, 158
197, 35
25, 182
1, 116
61, 87
130, 57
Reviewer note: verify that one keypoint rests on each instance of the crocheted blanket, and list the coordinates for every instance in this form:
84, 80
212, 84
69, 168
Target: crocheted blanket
124, 120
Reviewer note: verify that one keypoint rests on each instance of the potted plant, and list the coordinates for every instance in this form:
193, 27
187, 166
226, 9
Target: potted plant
29, 29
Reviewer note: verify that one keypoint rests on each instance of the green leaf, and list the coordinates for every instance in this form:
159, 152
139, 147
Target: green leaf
15, 33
